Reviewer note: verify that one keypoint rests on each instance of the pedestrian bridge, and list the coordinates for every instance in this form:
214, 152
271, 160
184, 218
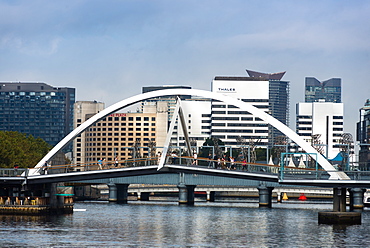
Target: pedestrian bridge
284, 175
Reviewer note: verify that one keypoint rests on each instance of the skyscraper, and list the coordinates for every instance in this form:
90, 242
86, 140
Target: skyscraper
264, 91
38, 109
330, 90
363, 136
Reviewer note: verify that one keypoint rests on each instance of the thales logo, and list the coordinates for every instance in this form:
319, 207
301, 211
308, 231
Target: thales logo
226, 90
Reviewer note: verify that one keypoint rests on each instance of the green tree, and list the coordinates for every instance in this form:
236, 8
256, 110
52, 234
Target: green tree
213, 142
21, 149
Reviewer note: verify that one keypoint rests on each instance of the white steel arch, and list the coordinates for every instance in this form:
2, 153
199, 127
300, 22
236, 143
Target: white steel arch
202, 93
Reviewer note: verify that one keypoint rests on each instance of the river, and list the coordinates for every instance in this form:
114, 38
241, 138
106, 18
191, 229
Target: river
166, 224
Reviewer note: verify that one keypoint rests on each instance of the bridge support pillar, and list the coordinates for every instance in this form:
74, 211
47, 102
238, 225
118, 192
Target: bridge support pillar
339, 214
186, 194
56, 201
143, 196
265, 196
339, 199
122, 193
112, 192
356, 196
211, 196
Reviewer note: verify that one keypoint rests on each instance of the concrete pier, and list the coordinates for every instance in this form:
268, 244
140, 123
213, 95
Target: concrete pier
43, 199
340, 218
339, 214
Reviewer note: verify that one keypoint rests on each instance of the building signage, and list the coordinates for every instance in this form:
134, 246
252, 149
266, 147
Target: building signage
118, 115
228, 90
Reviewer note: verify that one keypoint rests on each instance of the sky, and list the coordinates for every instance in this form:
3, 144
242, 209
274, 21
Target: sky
108, 50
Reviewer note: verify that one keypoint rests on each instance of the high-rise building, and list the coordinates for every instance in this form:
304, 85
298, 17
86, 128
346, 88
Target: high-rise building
82, 110
329, 90
38, 109
171, 100
198, 122
264, 91
323, 120
363, 136
119, 133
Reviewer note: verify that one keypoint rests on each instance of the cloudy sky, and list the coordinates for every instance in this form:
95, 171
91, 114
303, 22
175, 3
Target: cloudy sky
109, 49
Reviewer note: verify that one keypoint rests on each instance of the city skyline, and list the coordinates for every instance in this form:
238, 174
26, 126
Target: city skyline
103, 49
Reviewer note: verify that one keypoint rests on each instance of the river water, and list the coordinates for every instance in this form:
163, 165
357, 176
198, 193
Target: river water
166, 224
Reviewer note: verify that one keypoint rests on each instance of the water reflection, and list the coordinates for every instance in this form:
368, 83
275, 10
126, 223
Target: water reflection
165, 224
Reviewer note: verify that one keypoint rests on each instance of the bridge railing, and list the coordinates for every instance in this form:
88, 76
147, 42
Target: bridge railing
219, 164
55, 169
306, 174
184, 160
224, 164
10, 172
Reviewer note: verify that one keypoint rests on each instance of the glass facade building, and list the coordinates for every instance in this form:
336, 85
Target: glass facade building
330, 90
38, 109
363, 136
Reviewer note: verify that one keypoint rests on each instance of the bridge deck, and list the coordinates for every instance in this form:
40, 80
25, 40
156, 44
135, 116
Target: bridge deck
139, 167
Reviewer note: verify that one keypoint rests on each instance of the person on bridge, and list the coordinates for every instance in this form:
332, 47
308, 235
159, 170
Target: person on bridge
195, 156
44, 169
100, 163
244, 164
174, 157
232, 167
210, 163
159, 155
116, 161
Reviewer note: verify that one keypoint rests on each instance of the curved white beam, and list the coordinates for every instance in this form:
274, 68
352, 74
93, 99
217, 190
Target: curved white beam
202, 93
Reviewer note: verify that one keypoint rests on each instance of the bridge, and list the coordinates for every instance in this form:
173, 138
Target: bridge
324, 176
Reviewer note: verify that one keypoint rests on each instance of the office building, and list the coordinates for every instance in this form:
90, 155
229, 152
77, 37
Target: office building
363, 136
329, 90
119, 133
264, 91
323, 120
197, 115
38, 109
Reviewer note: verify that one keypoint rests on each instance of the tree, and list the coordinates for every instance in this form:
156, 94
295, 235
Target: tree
21, 149
213, 142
